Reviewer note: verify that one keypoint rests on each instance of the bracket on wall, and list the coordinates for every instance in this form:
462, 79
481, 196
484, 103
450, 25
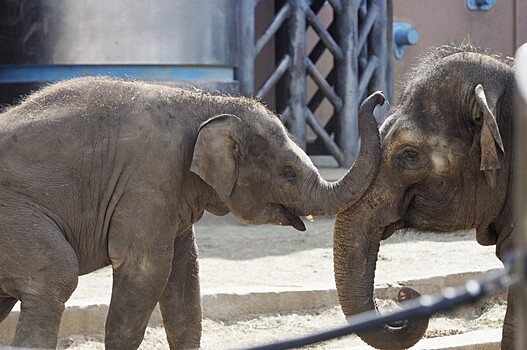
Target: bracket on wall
404, 34
480, 5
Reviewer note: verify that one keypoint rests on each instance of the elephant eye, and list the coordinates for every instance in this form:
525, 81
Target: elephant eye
410, 154
288, 173
409, 158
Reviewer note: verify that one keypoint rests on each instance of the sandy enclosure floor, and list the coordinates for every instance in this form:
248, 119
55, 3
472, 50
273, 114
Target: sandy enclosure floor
262, 329
234, 256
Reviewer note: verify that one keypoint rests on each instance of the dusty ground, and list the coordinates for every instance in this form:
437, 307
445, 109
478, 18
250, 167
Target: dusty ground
262, 329
233, 255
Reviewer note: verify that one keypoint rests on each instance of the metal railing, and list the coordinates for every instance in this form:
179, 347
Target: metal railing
489, 284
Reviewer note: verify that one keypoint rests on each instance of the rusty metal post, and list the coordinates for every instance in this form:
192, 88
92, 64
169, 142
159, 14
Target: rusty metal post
347, 80
297, 72
380, 44
246, 46
521, 200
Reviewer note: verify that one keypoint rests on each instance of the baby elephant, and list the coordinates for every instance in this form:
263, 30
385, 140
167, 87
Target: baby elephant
98, 172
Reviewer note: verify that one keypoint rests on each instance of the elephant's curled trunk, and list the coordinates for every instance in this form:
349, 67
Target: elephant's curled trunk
356, 245
328, 198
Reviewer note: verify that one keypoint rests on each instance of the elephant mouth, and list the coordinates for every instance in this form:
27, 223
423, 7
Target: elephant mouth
399, 220
275, 214
291, 219
391, 228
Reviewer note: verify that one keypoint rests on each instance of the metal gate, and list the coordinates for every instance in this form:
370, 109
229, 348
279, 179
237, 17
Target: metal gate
359, 40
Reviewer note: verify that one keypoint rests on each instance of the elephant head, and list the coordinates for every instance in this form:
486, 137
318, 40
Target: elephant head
262, 176
445, 166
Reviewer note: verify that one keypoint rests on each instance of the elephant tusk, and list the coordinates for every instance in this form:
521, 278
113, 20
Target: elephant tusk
310, 218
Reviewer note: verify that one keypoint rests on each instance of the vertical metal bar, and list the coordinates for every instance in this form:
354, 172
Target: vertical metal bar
521, 199
297, 72
246, 46
380, 45
347, 80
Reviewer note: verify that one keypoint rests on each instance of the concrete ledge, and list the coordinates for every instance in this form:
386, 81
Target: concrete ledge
90, 319
232, 306
431, 285
488, 339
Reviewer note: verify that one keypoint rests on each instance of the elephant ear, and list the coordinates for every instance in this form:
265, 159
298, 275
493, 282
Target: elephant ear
216, 152
490, 139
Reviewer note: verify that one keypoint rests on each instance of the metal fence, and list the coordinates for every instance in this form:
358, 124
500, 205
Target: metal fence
359, 40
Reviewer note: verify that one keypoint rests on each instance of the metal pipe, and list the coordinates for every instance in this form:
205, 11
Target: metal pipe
367, 26
318, 96
297, 71
323, 84
480, 5
404, 34
280, 70
273, 27
246, 47
380, 44
323, 34
336, 4
347, 80
367, 75
320, 47
332, 147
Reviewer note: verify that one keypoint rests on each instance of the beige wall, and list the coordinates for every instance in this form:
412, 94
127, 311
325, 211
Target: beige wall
503, 28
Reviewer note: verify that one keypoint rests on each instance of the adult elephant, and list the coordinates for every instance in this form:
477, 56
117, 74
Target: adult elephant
98, 172
446, 165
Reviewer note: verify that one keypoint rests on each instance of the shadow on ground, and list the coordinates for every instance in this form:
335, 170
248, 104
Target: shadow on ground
228, 238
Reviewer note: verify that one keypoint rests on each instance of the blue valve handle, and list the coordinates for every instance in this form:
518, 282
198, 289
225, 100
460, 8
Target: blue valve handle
480, 5
404, 34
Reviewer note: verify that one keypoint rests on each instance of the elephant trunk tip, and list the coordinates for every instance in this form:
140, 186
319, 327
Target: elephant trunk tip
409, 331
377, 98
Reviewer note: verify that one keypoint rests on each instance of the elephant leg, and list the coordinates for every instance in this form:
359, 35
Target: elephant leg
180, 303
135, 293
41, 269
38, 324
6, 305
511, 320
141, 245
508, 339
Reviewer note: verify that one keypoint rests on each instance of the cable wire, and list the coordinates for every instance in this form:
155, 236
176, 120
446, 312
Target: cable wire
490, 283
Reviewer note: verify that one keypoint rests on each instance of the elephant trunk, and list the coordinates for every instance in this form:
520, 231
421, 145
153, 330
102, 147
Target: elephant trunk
328, 198
356, 245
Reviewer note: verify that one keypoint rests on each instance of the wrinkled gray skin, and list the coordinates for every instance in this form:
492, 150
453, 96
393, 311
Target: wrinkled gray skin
447, 151
98, 172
